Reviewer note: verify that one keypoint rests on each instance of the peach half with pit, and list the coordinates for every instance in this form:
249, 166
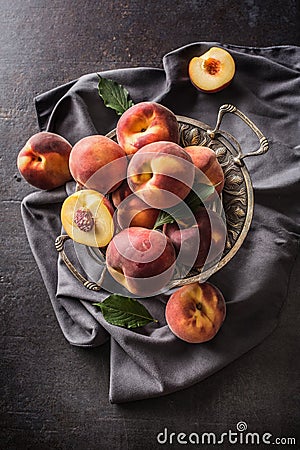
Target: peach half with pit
44, 160
98, 163
87, 217
212, 71
141, 260
144, 123
161, 174
196, 312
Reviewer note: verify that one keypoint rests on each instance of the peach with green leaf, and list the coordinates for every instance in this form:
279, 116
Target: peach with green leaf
206, 161
204, 231
144, 123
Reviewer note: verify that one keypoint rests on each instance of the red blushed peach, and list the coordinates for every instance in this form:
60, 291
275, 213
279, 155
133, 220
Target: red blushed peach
87, 217
121, 193
212, 71
206, 161
44, 160
141, 260
98, 163
144, 123
196, 312
133, 212
207, 233
161, 174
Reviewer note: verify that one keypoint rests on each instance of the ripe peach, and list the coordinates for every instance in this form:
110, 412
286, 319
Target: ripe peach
87, 217
207, 232
213, 70
98, 163
120, 193
133, 212
206, 161
141, 260
196, 312
44, 160
144, 123
161, 174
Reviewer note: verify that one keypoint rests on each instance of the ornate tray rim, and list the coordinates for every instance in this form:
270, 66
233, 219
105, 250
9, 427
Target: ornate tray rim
237, 161
249, 208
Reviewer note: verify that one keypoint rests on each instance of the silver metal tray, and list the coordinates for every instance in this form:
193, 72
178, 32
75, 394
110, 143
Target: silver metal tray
237, 196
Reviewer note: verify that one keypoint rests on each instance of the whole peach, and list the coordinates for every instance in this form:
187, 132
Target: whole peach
133, 212
196, 312
44, 160
144, 123
119, 194
161, 173
98, 163
141, 260
206, 161
207, 233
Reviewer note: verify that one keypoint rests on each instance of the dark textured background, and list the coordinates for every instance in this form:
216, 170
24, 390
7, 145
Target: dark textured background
54, 396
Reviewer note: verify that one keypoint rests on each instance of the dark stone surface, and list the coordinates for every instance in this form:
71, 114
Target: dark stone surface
54, 396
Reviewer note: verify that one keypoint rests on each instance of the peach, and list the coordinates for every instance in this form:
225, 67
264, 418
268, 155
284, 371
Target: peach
141, 260
144, 123
161, 174
212, 71
87, 217
133, 212
120, 193
44, 160
206, 161
98, 163
206, 232
196, 312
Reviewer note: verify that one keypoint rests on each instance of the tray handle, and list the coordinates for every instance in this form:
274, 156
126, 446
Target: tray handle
60, 247
264, 144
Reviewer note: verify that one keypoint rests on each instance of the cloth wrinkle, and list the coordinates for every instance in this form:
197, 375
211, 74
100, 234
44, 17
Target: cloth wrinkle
153, 362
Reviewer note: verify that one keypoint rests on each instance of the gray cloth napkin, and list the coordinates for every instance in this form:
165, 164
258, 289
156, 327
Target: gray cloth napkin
151, 362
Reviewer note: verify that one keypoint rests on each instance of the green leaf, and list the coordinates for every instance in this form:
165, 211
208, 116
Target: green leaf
194, 200
163, 217
114, 95
204, 191
124, 312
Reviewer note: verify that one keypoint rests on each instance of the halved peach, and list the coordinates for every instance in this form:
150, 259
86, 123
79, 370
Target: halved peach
213, 70
87, 217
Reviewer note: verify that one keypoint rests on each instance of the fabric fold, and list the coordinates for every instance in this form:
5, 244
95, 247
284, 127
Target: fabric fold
151, 361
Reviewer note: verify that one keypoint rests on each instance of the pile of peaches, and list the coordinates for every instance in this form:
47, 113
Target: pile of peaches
123, 185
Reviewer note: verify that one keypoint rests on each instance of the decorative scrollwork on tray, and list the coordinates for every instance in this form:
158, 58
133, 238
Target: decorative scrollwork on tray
234, 194
192, 135
237, 193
